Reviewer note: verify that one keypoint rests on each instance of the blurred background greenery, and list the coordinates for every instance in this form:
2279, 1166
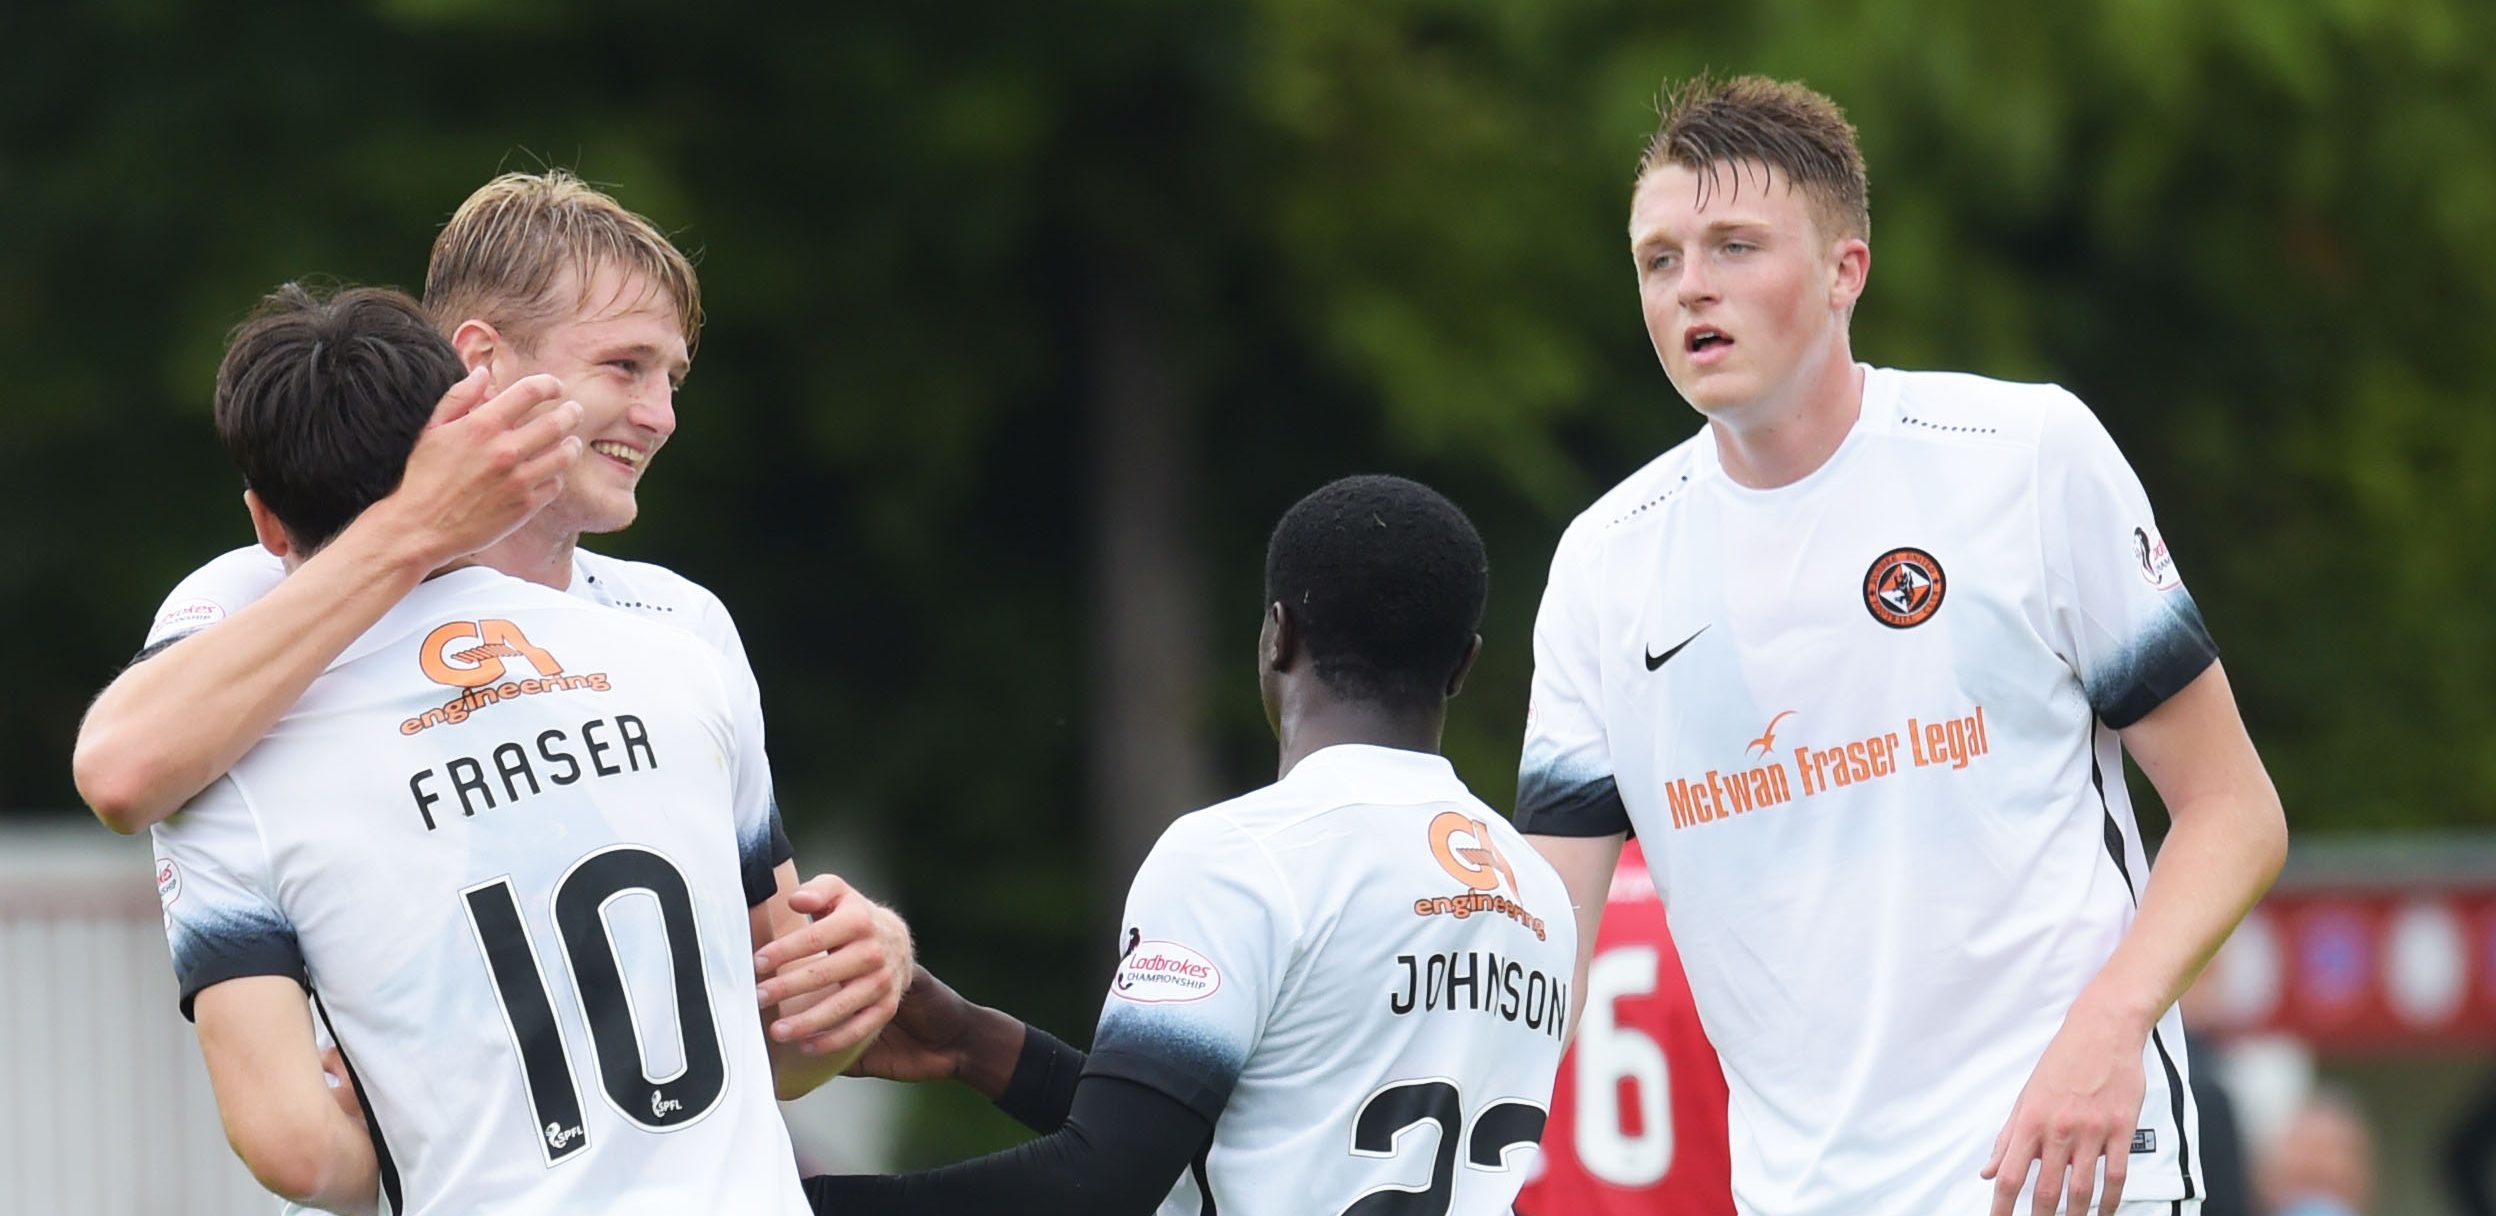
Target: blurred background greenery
1027, 320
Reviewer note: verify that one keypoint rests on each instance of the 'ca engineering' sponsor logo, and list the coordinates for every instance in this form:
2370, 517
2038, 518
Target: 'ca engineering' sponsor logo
469, 655
1164, 973
1903, 588
1463, 847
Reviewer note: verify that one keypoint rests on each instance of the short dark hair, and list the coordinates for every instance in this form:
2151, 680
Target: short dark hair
1708, 123
321, 396
1385, 580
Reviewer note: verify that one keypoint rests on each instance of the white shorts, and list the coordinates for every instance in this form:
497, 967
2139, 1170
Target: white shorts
2158, 1207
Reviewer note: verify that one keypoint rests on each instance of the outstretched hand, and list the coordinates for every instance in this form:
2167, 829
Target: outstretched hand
924, 1040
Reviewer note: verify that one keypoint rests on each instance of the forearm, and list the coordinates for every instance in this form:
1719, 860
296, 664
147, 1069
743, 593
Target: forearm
170, 725
349, 1182
2219, 857
1120, 1151
1585, 864
256, 1040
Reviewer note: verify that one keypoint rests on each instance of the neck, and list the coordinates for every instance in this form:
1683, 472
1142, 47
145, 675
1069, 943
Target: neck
1765, 449
537, 554
1310, 728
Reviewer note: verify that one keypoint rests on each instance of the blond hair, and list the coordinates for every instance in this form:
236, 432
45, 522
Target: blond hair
1709, 123
506, 250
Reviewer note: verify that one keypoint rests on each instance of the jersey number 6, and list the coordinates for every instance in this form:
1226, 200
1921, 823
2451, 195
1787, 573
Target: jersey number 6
1405, 1105
581, 899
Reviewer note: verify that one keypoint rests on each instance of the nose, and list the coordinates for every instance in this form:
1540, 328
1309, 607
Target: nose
655, 411
1694, 286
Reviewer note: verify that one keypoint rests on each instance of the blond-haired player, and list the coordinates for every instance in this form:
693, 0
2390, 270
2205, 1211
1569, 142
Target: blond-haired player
1859, 664
576, 320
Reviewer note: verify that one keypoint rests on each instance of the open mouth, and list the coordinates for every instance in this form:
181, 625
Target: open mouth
624, 454
1704, 338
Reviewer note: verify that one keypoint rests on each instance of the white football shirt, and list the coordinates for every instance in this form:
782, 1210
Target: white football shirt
1360, 974
510, 840
1865, 726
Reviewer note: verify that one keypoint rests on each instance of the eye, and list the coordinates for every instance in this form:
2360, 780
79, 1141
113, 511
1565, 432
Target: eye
1740, 247
1661, 261
630, 367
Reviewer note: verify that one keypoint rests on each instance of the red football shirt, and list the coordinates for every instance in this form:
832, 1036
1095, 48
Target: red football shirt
1637, 1123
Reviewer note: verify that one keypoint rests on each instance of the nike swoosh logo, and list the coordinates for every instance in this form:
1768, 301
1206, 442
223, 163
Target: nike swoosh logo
1655, 660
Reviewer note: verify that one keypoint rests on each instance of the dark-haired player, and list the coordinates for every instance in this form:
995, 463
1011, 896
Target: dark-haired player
1860, 663
1345, 992
511, 839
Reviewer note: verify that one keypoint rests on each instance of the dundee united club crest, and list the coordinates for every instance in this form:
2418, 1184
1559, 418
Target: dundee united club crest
1903, 589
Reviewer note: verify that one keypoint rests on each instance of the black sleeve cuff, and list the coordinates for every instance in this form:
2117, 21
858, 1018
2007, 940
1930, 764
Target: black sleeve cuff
156, 648
202, 965
760, 858
1204, 1090
1549, 806
1042, 1089
2155, 668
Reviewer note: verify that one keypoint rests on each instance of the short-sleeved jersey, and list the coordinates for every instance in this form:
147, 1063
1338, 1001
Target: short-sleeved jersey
509, 840
1360, 975
238, 577
1864, 724
1638, 1117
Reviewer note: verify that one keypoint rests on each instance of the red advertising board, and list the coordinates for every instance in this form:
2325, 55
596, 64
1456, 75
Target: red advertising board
2364, 967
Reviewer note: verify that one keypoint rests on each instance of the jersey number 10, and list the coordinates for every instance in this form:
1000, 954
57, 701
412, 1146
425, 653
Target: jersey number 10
580, 902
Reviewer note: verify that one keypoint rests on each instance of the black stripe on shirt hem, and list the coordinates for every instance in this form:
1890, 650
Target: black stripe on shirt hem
2175, 1080
2175, 1099
1204, 1185
2114, 831
390, 1188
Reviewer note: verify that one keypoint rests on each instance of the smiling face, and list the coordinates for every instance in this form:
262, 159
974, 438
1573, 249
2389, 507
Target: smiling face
1745, 291
622, 356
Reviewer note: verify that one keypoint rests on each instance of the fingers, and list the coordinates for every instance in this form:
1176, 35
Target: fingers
870, 996
512, 404
547, 428
2118, 1164
818, 895
844, 968
2009, 1170
544, 472
838, 921
2042, 1200
462, 397
861, 1027
2083, 1184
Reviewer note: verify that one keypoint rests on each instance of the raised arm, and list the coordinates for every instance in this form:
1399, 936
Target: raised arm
297, 1138
168, 726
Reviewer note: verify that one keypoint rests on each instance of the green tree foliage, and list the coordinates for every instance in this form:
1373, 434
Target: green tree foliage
1327, 237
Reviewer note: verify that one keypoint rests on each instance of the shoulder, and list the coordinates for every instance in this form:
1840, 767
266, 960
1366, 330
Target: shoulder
645, 586
225, 585
1965, 409
650, 590
1646, 494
